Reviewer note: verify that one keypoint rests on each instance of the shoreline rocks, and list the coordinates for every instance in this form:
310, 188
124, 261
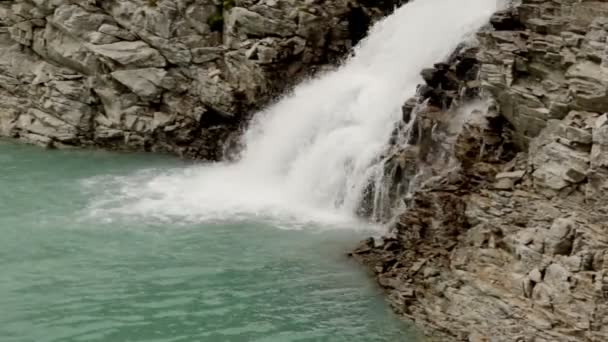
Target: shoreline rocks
510, 244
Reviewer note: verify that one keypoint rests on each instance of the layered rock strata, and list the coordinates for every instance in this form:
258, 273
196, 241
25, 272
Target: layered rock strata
511, 243
160, 75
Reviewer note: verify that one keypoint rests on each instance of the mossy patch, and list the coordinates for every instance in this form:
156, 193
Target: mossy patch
229, 4
216, 21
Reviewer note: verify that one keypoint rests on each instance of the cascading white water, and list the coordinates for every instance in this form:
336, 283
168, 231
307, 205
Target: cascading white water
311, 155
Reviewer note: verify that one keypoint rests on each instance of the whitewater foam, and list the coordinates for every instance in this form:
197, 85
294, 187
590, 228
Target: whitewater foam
310, 156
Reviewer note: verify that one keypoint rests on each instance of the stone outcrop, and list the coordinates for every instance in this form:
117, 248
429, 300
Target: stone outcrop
160, 75
510, 243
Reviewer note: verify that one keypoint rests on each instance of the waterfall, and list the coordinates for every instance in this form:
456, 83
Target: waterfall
311, 155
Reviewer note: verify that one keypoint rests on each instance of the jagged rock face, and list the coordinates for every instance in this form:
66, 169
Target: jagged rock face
159, 75
546, 66
512, 247
446, 126
545, 59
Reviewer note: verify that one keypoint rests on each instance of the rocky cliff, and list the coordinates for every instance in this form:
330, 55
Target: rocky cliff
501, 160
160, 75
505, 238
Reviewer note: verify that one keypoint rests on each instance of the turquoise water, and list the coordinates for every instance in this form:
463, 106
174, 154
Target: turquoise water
68, 275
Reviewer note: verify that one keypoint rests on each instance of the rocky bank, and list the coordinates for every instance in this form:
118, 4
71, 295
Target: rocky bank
161, 75
505, 233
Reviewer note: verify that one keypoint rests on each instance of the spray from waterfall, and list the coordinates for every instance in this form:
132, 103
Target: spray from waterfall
311, 156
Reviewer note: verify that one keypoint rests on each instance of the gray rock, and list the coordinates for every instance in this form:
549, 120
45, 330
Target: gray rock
97, 73
536, 276
530, 263
513, 175
146, 83
560, 237
130, 54
241, 21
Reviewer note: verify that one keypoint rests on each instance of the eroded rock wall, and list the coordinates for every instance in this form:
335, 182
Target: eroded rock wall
512, 243
160, 75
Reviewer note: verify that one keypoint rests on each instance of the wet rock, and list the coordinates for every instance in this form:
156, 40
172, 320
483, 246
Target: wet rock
358, 24
365, 246
513, 238
506, 20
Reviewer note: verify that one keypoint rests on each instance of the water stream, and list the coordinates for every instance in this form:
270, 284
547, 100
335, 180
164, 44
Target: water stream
309, 157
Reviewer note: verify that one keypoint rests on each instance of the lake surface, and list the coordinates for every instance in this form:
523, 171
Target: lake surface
76, 267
